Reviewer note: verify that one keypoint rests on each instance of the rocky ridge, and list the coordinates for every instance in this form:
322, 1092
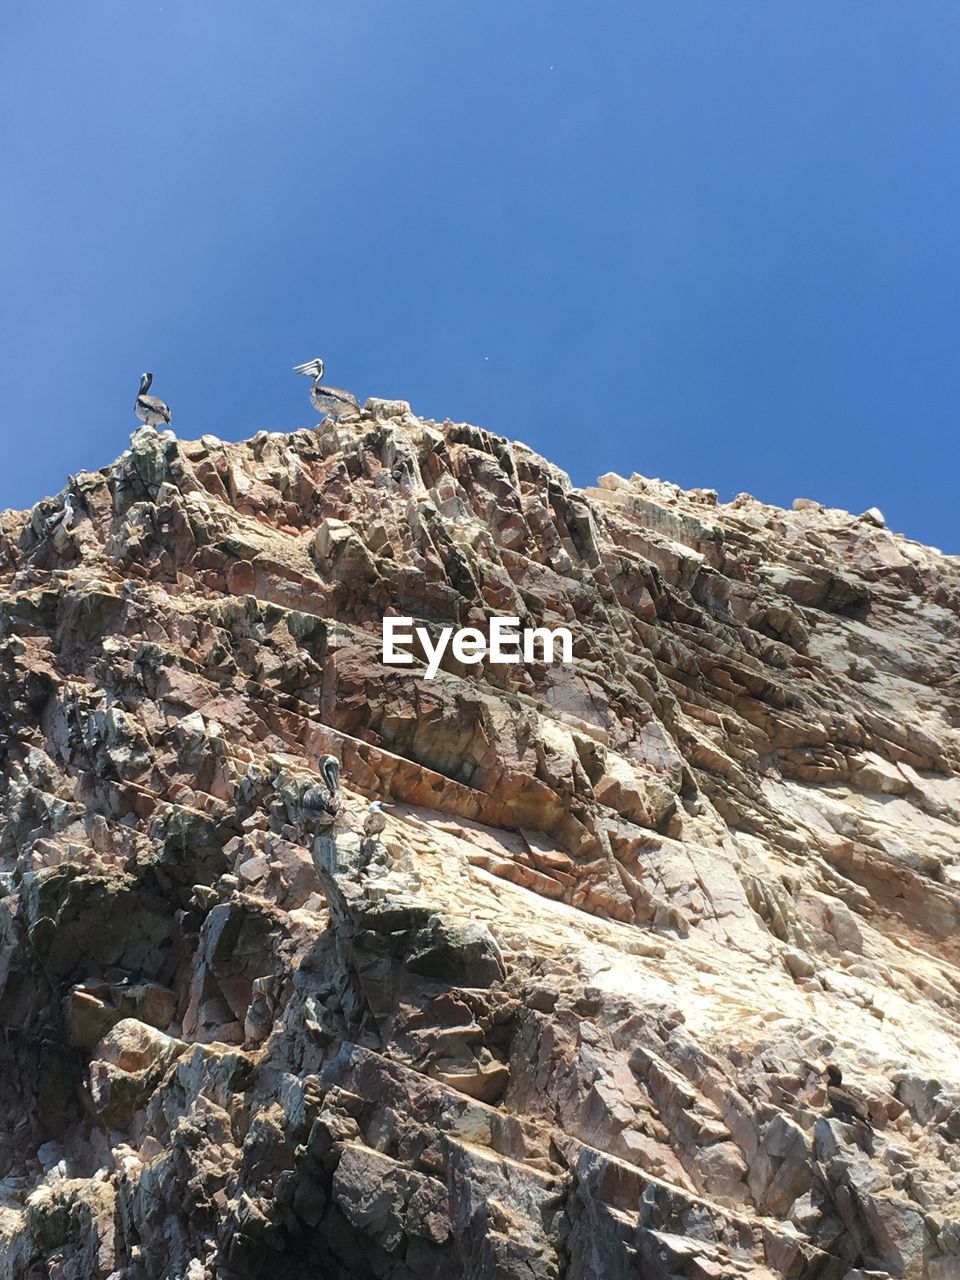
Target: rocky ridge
568, 1015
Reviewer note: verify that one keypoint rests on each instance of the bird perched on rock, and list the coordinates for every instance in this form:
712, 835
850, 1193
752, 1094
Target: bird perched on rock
322, 802
845, 1104
64, 518
376, 819
332, 402
148, 408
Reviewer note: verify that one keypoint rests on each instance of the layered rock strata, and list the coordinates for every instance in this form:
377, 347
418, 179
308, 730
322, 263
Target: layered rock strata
568, 1015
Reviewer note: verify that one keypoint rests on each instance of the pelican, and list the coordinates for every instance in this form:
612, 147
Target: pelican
376, 819
148, 408
333, 402
323, 801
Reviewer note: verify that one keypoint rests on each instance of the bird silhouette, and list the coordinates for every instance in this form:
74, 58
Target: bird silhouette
845, 1104
850, 1108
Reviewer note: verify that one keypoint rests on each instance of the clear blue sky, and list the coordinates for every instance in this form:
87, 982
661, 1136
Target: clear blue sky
713, 242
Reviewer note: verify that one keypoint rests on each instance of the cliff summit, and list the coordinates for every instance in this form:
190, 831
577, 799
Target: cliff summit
565, 1009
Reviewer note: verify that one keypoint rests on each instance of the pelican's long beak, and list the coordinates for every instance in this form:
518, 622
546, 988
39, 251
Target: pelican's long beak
309, 367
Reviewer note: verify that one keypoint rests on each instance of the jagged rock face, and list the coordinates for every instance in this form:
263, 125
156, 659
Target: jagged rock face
568, 1014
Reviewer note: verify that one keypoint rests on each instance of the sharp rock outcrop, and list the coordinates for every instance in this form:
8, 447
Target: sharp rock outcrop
568, 1012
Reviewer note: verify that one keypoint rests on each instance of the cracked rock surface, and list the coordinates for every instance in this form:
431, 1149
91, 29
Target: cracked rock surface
568, 1014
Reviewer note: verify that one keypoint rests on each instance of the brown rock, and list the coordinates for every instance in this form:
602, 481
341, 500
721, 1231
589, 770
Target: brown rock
568, 1013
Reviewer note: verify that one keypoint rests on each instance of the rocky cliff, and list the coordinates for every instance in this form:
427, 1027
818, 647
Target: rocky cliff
569, 1013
